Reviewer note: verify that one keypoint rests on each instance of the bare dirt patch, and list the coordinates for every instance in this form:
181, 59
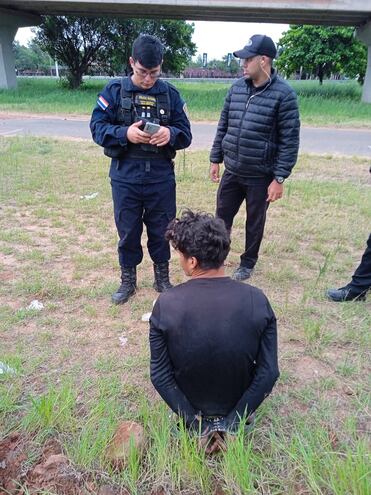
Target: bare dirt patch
307, 368
51, 473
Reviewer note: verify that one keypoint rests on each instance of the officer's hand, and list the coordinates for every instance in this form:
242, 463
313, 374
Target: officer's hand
214, 172
135, 135
161, 137
275, 191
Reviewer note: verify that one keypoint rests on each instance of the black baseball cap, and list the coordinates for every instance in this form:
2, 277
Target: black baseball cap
148, 51
259, 44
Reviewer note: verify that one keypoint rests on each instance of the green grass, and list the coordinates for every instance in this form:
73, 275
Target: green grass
332, 104
75, 381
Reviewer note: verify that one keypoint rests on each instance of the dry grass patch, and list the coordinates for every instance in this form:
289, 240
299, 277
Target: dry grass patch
92, 358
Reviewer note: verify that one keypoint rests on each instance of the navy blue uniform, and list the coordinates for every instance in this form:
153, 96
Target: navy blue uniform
143, 181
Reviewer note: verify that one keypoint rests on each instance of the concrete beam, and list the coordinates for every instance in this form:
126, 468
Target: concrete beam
329, 12
9, 24
364, 34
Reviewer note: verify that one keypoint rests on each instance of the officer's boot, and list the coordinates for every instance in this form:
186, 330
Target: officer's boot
162, 281
128, 285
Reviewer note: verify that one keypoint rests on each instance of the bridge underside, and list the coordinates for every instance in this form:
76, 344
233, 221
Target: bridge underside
330, 12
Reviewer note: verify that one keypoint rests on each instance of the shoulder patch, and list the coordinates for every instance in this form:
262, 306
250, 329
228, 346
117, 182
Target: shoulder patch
102, 102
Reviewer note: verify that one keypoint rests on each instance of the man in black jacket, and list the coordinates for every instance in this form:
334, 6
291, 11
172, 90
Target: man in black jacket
258, 140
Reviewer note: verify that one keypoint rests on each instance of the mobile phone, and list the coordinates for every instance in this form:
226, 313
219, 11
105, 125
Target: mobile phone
151, 128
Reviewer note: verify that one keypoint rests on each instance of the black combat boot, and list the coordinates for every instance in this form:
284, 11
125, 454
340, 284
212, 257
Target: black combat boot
162, 281
128, 285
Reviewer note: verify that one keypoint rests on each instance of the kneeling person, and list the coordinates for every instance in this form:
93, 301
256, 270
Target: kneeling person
213, 340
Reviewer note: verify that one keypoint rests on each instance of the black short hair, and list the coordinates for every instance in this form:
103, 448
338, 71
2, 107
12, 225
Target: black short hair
148, 51
200, 235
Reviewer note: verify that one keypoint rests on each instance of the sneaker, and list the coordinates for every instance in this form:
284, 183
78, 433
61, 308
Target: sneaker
242, 273
344, 294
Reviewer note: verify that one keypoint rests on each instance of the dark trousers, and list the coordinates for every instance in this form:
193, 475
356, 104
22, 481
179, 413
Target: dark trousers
361, 280
233, 190
136, 204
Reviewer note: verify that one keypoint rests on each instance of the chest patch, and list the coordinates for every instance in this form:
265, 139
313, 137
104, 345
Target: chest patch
145, 100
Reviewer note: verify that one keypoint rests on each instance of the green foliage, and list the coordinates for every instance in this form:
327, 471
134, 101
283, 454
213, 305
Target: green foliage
333, 103
176, 36
82, 43
31, 57
321, 51
52, 410
74, 41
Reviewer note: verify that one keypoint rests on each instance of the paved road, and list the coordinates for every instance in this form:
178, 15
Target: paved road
313, 139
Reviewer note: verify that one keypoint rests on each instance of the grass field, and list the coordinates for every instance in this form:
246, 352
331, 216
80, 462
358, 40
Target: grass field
76, 377
333, 104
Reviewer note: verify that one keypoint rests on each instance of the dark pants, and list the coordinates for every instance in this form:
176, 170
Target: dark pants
233, 190
135, 204
361, 280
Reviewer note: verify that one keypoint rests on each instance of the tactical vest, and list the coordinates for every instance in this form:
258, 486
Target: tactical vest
148, 108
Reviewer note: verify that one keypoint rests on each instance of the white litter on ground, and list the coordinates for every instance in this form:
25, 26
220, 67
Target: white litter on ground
36, 305
123, 340
89, 196
147, 316
4, 368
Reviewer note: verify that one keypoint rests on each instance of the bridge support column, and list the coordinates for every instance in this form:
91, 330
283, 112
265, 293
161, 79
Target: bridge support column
7, 69
9, 24
364, 34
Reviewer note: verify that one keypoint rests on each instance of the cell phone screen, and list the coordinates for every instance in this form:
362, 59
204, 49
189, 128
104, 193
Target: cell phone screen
151, 128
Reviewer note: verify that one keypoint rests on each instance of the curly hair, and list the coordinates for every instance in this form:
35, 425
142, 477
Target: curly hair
200, 235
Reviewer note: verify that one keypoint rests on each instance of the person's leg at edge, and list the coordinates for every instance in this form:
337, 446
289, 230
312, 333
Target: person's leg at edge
357, 289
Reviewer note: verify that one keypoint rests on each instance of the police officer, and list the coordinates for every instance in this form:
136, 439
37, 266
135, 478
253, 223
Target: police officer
140, 121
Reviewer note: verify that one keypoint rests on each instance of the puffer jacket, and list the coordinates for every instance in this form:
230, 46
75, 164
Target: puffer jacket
258, 132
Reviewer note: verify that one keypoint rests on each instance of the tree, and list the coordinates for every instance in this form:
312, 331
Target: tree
75, 42
31, 57
80, 43
176, 36
321, 51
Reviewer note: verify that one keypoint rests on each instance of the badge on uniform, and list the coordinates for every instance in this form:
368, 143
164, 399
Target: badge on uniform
103, 103
145, 100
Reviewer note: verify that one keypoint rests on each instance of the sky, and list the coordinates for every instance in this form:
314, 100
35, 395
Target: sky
214, 38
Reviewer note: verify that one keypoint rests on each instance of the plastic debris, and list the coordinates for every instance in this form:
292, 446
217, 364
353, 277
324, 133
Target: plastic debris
89, 196
36, 305
123, 340
4, 368
146, 316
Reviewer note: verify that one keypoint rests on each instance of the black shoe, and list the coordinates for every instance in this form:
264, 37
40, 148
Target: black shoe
128, 285
242, 273
344, 294
162, 282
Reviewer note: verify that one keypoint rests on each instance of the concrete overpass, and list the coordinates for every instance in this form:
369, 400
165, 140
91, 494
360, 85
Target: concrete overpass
20, 13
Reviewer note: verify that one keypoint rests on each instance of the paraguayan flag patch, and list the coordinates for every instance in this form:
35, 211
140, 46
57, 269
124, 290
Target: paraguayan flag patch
102, 102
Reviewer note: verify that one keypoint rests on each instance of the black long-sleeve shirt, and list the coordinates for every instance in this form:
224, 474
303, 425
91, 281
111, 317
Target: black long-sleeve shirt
213, 348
